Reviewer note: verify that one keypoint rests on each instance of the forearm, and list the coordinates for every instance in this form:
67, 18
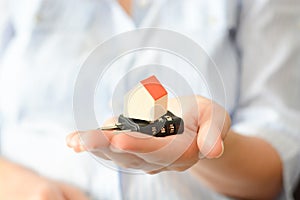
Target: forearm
29, 185
250, 169
8, 168
5, 166
9, 175
11, 170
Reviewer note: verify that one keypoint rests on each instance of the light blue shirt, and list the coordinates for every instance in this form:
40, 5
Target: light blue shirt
255, 45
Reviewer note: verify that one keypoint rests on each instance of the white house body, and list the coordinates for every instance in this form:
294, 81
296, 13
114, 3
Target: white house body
146, 101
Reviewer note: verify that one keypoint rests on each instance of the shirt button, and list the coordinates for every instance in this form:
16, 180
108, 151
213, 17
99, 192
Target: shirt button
38, 18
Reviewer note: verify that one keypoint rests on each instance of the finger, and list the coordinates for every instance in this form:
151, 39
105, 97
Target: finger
73, 141
70, 192
138, 142
152, 172
169, 168
214, 114
69, 139
99, 153
210, 141
127, 160
160, 151
92, 140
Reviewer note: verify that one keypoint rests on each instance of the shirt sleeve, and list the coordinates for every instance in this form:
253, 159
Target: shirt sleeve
269, 103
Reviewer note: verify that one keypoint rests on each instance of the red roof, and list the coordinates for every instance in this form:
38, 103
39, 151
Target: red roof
154, 87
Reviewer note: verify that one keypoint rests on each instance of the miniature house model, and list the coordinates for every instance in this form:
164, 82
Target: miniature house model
146, 101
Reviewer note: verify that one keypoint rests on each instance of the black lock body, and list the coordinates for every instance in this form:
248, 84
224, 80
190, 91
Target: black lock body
168, 124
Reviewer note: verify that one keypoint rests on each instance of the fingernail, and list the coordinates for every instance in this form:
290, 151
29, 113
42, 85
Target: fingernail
222, 145
81, 148
73, 142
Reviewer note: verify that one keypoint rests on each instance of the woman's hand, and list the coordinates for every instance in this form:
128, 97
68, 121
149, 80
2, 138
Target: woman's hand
206, 124
18, 183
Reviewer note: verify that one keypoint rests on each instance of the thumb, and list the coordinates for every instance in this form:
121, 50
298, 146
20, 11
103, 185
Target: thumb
209, 141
